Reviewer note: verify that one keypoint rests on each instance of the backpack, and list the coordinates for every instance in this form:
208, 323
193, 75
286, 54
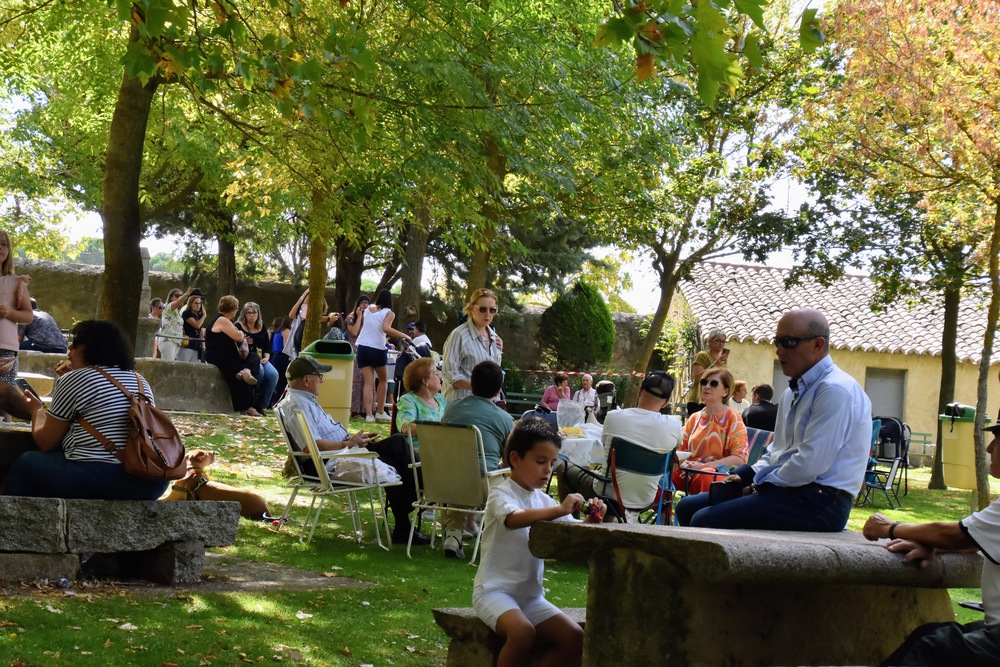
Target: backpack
154, 449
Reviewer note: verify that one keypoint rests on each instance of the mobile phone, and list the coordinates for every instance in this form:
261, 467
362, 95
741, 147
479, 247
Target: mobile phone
25, 387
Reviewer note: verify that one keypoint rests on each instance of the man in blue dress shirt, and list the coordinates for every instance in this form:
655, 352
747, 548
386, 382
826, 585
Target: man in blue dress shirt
810, 474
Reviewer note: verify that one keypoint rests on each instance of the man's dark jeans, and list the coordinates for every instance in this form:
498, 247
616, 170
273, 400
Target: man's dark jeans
812, 508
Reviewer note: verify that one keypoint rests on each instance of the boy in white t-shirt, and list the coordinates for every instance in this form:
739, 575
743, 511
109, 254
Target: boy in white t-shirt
508, 594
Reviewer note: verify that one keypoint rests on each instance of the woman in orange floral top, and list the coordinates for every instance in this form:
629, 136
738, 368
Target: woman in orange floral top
715, 435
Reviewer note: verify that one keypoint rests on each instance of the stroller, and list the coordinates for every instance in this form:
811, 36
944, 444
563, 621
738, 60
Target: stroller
407, 352
607, 399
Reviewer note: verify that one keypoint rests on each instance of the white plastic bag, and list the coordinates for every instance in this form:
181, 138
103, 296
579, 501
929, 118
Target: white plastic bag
359, 471
569, 413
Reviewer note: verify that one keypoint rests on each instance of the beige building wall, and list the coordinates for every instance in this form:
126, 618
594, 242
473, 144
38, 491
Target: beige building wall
754, 363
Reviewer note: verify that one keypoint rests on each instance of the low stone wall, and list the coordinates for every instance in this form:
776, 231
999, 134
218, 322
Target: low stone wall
71, 292
164, 542
177, 385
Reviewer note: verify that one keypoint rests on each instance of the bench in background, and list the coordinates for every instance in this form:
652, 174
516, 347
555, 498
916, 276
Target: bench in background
519, 402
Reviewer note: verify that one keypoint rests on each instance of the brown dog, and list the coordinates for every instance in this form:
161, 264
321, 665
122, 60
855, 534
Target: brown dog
195, 485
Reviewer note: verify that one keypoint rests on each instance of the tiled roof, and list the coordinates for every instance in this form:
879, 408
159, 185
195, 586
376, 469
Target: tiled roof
747, 301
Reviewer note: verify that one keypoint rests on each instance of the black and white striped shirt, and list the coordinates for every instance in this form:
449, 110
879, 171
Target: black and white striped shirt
85, 392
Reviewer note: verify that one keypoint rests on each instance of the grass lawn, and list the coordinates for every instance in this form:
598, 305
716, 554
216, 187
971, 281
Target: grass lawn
386, 623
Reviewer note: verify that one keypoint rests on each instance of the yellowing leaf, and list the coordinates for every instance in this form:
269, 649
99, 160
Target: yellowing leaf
644, 67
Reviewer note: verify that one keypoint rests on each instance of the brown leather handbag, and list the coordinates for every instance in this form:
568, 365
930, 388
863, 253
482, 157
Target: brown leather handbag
154, 449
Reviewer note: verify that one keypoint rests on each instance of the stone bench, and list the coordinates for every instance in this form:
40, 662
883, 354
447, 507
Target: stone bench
472, 643
177, 385
665, 595
49, 538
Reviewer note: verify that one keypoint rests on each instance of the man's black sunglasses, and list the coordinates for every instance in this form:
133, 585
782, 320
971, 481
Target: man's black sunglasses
791, 342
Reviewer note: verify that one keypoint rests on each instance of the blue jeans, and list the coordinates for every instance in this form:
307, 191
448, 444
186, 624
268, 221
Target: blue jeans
51, 475
811, 508
266, 383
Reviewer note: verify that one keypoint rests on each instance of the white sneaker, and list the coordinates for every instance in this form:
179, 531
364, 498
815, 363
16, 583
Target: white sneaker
453, 545
383, 417
370, 419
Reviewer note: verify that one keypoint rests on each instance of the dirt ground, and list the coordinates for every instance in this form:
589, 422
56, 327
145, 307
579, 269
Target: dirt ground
221, 574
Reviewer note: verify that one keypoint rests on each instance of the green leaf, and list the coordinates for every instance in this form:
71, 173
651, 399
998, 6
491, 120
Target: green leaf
138, 63
124, 8
751, 49
604, 36
810, 37
754, 9
156, 17
710, 18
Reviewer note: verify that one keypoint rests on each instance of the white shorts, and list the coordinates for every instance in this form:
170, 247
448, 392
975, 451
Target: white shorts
491, 604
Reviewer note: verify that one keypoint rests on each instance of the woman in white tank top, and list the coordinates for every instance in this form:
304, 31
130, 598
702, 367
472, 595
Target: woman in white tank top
372, 357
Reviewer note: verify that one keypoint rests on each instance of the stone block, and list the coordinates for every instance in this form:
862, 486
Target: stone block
171, 564
776, 598
35, 525
29, 567
108, 526
473, 644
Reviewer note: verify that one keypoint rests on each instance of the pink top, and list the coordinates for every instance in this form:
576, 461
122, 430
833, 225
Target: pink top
9, 289
550, 398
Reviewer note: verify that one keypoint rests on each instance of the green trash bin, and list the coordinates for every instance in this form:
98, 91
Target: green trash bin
335, 392
958, 449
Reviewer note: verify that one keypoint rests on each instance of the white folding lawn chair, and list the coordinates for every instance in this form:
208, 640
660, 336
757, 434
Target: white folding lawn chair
314, 479
453, 473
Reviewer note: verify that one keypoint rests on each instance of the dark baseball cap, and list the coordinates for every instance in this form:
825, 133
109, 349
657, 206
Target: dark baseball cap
302, 366
994, 429
659, 384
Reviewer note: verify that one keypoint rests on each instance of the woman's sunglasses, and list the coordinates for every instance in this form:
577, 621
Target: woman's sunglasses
484, 310
710, 383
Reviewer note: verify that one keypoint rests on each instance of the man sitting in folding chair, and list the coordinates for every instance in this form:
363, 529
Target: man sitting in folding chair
642, 425
305, 375
479, 410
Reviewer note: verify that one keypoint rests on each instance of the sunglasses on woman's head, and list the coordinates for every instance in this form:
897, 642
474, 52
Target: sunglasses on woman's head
710, 383
791, 342
484, 310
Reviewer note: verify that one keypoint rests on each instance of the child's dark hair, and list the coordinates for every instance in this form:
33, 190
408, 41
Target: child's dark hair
528, 433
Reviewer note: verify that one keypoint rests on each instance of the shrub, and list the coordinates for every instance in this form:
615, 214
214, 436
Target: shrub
577, 331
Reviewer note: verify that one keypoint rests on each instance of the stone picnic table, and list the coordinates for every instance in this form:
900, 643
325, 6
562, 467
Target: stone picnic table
666, 595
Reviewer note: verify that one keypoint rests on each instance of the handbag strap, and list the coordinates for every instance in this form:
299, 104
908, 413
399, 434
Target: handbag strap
89, 428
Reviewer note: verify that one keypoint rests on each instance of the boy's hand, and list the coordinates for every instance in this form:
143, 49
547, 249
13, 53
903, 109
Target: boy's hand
572, 503
596, 509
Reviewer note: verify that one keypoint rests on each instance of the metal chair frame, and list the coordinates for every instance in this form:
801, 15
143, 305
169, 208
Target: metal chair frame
319, 485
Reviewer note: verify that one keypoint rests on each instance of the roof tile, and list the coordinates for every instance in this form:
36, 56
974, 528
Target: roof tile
748, 300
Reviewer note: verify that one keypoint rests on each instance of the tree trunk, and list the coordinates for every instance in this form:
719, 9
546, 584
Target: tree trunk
350, 266
982, 462
227, 255
489, 211
317, 290
946, 394
122, 280
414, 251
668, 283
